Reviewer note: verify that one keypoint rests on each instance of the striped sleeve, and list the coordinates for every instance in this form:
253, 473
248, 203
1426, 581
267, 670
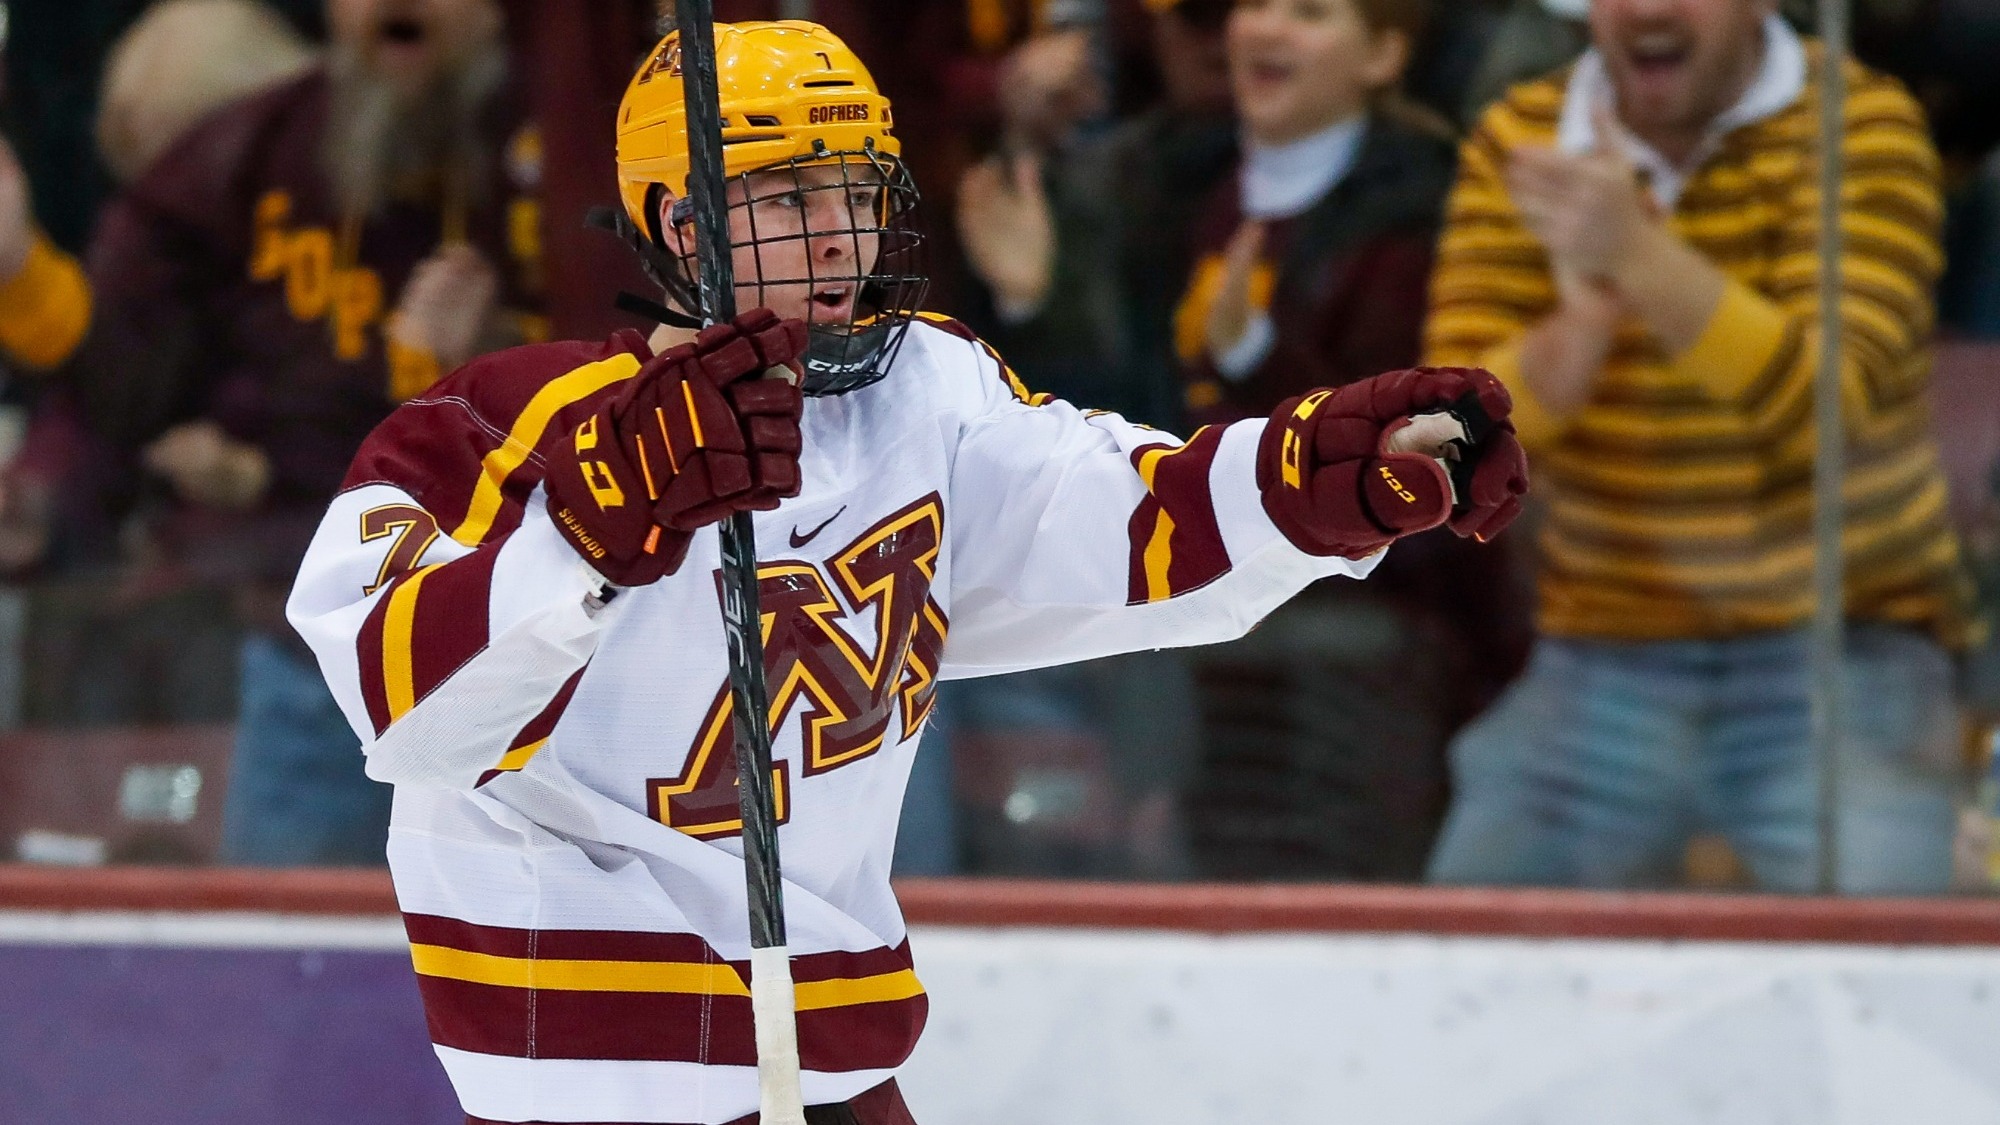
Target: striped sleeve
447, 614
1077, 534
1491, 282
425, 623
1761, 350
1175, 541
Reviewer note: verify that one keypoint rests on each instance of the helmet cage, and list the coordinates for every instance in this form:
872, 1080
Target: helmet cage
844, 353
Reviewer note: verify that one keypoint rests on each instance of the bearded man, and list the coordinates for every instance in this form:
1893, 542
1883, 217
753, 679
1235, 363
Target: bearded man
257, 300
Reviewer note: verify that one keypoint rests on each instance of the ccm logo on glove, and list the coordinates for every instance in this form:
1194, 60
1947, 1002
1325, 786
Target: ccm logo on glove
1405, 494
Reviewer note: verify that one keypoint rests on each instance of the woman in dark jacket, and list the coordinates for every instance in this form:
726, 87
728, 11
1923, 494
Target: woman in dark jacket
1323, 734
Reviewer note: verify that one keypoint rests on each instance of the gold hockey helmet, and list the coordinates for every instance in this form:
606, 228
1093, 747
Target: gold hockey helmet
788, 91
791, 96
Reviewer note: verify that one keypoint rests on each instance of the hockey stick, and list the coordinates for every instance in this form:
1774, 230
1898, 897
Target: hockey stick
772, 1001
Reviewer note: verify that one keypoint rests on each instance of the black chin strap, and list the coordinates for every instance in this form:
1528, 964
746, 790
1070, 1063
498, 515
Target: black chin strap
659, 266
653, 310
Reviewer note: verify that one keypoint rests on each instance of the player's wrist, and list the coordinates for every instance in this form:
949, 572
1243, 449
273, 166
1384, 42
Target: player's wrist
598, 507
620, 560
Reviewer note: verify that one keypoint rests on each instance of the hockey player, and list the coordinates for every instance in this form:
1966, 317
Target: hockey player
515, 600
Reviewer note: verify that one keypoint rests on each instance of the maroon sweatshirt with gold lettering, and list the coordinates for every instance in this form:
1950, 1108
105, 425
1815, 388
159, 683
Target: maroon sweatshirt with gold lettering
226, 284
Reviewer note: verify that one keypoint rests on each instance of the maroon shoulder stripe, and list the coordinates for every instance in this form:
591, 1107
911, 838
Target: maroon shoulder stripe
368, 651
1014, 385
434, 447
1176, 543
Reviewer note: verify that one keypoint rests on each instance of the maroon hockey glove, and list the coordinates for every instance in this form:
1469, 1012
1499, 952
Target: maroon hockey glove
696, 435
1333, 484
1491, 472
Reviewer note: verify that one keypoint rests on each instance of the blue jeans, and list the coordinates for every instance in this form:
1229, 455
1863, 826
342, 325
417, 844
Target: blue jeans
297, 794
1597, 765
927, 834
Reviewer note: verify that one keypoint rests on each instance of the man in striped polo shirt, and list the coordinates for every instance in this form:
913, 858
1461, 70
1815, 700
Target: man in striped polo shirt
1631, 247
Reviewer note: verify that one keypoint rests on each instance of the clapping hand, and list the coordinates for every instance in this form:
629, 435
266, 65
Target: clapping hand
447, 305
1588, 210
1049, 85
1007, 230
210, 468
1235, 304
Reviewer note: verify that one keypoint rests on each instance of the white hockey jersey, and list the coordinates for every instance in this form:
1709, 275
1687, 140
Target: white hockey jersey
564, 842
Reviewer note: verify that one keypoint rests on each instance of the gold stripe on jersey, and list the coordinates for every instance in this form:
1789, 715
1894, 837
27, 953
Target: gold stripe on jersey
709, 979
839, 992
1160, 559
398, 661
517, 757
694, 978
1159, 555
1680, 493
526, 434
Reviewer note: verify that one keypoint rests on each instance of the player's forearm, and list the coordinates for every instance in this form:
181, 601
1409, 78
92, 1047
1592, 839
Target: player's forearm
994, 635
441, 656
1140, 543
484, 717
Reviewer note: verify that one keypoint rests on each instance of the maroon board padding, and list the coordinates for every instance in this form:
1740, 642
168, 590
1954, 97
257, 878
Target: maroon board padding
1201, 908
336, 891
1465, 912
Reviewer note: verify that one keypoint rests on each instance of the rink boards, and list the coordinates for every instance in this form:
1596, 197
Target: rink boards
243, 997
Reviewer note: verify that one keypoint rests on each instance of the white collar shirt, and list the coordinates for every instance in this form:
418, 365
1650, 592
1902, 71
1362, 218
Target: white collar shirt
1780, 81
1280, 181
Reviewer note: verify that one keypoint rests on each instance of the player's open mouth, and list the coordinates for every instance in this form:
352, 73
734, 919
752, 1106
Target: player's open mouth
834, 299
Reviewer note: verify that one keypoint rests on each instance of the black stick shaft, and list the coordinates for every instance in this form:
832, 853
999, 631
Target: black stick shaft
740, 615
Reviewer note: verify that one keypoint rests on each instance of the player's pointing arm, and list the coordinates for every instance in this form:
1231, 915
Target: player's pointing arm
1080, 534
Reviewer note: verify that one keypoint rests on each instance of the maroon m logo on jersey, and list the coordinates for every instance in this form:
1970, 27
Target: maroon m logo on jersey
849, 691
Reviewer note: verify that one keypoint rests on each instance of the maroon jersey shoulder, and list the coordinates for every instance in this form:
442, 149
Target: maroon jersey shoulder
469, 449
956, 328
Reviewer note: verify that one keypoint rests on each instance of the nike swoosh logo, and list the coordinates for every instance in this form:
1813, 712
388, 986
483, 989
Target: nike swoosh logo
801, 540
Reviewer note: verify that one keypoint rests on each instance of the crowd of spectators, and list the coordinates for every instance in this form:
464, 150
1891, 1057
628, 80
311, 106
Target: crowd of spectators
1185, 211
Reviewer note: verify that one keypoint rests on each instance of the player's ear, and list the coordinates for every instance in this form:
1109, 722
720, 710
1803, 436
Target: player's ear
677, 237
